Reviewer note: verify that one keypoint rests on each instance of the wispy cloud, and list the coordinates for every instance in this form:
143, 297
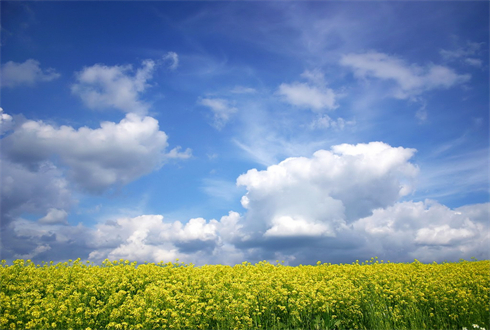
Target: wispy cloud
467, 53
454, 174
173, 58
325, 122
313, 95
221, 109
28, 73
243, 90
264, 132
474, 62
221, 189
410, 79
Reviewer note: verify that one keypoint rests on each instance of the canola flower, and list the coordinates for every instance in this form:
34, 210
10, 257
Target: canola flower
124, 295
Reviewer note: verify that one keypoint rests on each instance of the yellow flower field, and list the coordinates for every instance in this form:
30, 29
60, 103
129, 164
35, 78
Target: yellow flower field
124, 295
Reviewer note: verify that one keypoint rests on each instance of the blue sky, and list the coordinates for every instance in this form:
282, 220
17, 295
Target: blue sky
219, 132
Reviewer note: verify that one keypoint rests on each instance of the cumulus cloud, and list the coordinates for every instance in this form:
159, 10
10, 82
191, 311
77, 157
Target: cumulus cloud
427, 231
338, 205
114, 154
174, 58
287, 226
150, 238
313, 95
28, 73
54, 216
221, 109
32, 191
411, 80
142, 238
331, 188
101, 86
344, 204
6, 122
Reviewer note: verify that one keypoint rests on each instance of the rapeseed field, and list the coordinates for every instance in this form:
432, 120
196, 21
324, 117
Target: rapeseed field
124, 295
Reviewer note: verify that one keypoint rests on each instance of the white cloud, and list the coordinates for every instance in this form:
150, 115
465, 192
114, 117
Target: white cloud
54, 216
328, 190
114, 154
102, 87
339, 204
427, 231
5, 122
313, 95
324, 122
149, 238
411, 80
131, 238
141, 238
306, 96
174, 58
287, 226
28, 73
444, 234
336, 206
222, 111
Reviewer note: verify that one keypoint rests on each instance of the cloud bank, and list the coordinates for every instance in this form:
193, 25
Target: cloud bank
338, 205
43, 164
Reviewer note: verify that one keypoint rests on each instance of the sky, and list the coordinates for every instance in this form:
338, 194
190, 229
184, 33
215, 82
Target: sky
222, 132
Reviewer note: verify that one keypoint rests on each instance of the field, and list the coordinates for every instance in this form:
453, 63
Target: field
124, 295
